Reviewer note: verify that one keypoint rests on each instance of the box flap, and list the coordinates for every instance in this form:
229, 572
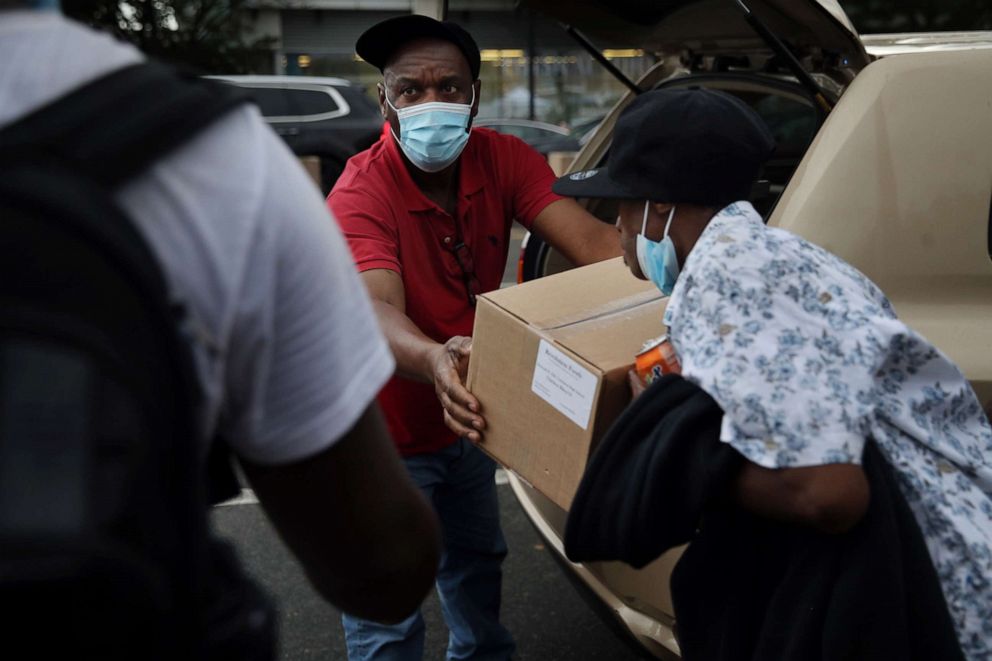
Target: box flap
577, 295
611, 341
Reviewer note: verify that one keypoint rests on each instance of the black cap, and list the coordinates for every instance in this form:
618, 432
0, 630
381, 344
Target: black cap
379, 42
694, 146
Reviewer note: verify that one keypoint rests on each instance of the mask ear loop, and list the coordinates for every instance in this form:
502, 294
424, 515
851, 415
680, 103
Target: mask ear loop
644, 222
396, 112
671, 215
468, 129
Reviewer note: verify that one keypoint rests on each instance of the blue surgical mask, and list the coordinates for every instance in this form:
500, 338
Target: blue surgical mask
433, 135
657, 259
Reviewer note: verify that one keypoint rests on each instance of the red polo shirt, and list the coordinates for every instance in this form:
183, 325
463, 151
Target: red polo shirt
390, 224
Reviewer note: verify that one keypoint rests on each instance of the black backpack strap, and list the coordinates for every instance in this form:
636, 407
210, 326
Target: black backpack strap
112, 129
116, 126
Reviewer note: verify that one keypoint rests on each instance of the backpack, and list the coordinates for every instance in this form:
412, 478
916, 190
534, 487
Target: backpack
105, 549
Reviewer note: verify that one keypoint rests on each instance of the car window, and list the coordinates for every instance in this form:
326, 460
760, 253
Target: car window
360, 102
525, 132
792, 119
282, 102
510, 129
792, 123
536, 133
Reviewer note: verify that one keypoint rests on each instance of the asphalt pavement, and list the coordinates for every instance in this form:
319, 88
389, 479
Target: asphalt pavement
546, 614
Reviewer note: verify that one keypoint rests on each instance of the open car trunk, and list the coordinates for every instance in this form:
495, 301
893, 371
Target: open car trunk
788, 109
818, 32
896, 182
710, 43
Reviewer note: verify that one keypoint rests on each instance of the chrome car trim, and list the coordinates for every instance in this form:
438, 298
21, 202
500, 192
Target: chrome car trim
343, 107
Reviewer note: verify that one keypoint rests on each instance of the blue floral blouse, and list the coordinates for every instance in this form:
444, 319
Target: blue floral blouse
807, 359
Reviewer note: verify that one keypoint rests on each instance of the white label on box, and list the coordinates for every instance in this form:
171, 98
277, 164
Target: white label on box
563, 383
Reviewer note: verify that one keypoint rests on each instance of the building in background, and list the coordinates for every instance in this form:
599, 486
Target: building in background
521, 51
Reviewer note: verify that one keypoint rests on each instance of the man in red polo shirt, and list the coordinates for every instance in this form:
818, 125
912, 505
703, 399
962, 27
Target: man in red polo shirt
427, 213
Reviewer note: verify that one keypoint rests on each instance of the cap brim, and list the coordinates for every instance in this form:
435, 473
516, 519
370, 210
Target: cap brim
377, 44
591, 183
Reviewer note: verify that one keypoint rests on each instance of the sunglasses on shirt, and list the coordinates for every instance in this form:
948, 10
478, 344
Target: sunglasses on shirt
463, 256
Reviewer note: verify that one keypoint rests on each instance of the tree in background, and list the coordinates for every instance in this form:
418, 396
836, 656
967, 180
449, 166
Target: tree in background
208, 35
874, 16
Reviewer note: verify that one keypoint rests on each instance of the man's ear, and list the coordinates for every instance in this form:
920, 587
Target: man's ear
381, 89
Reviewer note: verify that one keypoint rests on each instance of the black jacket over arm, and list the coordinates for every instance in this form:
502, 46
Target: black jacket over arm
747, 587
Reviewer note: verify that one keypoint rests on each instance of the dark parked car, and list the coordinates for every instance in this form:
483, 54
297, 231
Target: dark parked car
330, 118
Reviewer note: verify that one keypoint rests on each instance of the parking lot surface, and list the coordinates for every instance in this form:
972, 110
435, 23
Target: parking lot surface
548, 617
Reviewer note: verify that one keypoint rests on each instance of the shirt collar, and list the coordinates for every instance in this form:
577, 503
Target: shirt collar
732, 216
735, 213
470, 175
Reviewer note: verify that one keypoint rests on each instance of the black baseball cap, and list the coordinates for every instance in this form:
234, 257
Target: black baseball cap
694, 146
379, 42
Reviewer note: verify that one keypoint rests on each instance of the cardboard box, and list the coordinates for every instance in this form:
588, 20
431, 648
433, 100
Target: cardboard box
549, 366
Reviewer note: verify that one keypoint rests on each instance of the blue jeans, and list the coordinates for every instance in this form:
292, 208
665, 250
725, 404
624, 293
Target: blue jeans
459, 481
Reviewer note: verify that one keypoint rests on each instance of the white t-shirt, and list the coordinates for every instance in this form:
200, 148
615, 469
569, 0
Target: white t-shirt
288, 349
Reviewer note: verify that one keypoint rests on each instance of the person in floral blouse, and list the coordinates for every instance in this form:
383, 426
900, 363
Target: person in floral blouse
803, 353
